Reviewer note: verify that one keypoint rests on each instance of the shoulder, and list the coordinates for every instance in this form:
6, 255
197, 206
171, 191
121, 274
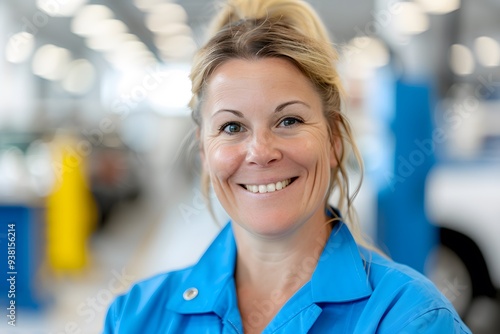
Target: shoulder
144, 297
408, 301
161, 283
389, 277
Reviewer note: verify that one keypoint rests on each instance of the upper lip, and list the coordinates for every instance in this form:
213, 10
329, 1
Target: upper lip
268, 181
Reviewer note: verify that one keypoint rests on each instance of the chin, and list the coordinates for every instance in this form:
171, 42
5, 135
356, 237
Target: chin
272, 225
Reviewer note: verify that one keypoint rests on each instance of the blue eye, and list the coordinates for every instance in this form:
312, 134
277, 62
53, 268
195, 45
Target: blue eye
231, 128
290, 121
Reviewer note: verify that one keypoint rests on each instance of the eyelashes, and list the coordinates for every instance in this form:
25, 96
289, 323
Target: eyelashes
233, 127
291, 121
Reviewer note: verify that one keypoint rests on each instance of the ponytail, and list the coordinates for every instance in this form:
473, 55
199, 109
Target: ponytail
297, 14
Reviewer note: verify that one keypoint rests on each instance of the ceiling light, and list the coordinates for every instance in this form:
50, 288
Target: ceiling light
80, 77
100, 42
461, 60
109, 31
169, 28
108, 43
19, 47
132, 47
363, 55
84, 23
51, 62
439, 6
487, 51
411, 19
146, 5
60, 8
177, 47
165, 13
372, 50
129, 61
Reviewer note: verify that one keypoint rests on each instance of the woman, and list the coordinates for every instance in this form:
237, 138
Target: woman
273, 142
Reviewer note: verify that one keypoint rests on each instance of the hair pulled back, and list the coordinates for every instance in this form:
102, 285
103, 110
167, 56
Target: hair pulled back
288, 29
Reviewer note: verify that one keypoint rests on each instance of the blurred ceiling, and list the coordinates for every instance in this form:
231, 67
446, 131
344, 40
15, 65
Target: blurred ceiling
344, 19
341, 17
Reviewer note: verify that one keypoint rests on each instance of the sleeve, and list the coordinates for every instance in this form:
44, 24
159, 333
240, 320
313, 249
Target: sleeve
111, 324
138, 308
437, 321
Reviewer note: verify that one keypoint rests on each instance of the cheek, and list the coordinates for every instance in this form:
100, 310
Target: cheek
316, 151
222, 161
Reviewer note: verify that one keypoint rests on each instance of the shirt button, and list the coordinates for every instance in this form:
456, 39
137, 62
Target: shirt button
190, 294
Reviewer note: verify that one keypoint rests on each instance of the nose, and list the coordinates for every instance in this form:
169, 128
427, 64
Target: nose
263, 149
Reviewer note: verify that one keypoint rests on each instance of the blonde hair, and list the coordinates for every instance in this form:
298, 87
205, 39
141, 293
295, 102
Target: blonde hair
289, 29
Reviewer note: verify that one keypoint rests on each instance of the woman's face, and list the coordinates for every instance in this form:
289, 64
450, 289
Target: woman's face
265, 145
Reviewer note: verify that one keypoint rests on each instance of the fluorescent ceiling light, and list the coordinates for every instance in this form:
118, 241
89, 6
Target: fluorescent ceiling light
439, 6
60, 8
147, 5
373, 52
177, 47
80, 77
110, 32
411, 20
19, 47
51, 62
84, 23
165, 13
487, 51
171, 28
461, 60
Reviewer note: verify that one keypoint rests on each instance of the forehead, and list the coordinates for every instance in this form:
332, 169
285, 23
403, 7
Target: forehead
275, 78
240, 69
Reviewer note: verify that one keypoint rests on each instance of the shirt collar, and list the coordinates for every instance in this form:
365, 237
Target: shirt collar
339, 275
209, 276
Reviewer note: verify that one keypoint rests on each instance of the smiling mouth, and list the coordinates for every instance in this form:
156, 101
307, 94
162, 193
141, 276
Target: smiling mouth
268, 188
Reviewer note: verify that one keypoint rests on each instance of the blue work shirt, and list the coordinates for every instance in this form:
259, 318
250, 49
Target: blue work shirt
352, 290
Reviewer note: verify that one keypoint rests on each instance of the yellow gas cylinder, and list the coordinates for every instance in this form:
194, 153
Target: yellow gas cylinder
71, 210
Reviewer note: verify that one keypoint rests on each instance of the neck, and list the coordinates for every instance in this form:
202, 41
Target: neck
279, 264
269, 271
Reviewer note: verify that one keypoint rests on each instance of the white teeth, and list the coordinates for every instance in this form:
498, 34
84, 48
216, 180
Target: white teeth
268, 188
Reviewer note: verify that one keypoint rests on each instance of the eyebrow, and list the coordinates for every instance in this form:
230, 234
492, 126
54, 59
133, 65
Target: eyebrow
236, 112
278, 108
286, 104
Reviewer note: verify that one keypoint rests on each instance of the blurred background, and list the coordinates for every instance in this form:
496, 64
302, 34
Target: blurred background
99, 179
